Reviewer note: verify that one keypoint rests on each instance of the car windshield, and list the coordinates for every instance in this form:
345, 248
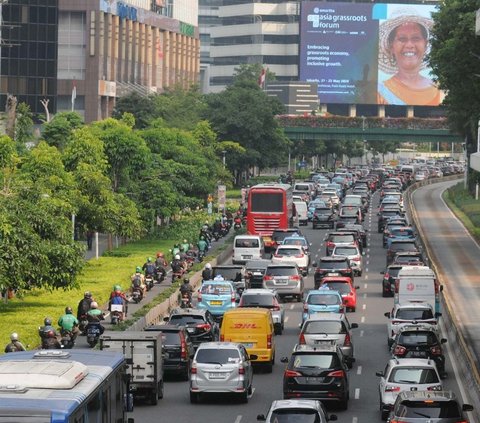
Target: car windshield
323, 327
323, 299
322, 361
255, 300
229, 274
216, 289
417, 338
349, 211
342, 239
292, 415
217, 356
185, 319
414, 314
413, 375
295, 241
342, 287
281, 271
332, 265
345, 251
288, 251
429, 409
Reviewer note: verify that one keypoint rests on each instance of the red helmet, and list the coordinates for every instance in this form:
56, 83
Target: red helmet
159, 254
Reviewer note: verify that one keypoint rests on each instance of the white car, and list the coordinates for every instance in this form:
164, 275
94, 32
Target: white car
297, 410
333, 196
404, 314
353, 254
292, 254
407, 374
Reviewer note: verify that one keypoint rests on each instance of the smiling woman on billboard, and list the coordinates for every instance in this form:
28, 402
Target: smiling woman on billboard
403, 46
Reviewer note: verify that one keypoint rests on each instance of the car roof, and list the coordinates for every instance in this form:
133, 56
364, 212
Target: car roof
413, 304
282, 265
305, 348
327, 317
188, 311
259, 291
336, 258
218, 345
218, 282
249, 310
228, 266
296, 403
412, 362
427, 395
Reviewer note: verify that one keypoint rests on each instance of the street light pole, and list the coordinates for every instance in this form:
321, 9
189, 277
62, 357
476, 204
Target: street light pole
224, 153
364, 140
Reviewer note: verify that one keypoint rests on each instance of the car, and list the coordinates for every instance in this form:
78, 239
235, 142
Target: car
360, 231
438, 407
409, 258
331, 266
298, 240
265, 298
292, 254
408, 374
400, 245
338, 238
285, 279
389, 278
221, 367
352, 252
354, 212
231, 272
322, 300
254, 272
392, 223
333, 194
178, 349
323, 216
404, 314
217, 296
317, 372
297, 410
346, 288
385, 215
200, 324
400, 232
317, 203
278, 235
332, 328
420, 341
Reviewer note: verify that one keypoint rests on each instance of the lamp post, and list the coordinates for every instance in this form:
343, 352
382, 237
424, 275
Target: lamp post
224, 153
364, 140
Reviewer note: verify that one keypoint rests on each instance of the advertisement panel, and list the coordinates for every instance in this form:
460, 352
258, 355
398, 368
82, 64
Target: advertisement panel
361, 53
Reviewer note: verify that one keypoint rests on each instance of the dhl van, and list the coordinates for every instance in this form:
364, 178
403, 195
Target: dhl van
253, 328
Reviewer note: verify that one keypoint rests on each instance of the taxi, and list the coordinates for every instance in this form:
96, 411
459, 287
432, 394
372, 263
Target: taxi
217, 296
320, 300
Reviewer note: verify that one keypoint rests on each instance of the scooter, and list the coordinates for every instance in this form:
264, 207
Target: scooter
137, 294
149, 281
66, 340
185, 301
50, 341
116, 313
94, 330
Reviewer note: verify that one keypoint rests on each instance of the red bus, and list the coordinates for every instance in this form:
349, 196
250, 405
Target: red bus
270, 207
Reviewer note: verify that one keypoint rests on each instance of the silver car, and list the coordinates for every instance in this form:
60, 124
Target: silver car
352, 252
299, 411
407, 374
265, 298
221, 367
285, 279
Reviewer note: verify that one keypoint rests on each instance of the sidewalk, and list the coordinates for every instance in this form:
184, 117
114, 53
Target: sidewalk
102, 246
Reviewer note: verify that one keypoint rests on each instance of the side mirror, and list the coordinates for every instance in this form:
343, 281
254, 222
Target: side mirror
441, 288
467, 407
379, 374
382, 273
166, 319
387, 314
314, 264
443, 341
332, 418
354, 325
357, 287
284, 360
261, 417
437, 315
253, 357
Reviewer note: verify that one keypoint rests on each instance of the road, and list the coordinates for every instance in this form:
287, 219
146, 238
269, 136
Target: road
370, 341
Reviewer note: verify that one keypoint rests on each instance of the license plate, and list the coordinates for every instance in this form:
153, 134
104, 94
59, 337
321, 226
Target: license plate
314, 379
93, 331
216, 303
190, 330
217, 375
247, 344
333, 274
421, 354
324, 342
280, 281
257, 274
247, 257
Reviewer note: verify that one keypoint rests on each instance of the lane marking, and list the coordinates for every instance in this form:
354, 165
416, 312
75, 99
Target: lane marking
364, 295
355, 420
286, 319
362, 319
238, 419
361, 333
357, 393
292, 306
366, 276
365, 285
359, 370
364, 306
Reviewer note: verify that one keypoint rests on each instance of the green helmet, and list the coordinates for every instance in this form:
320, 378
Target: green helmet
138, 269
149, 259
117, 288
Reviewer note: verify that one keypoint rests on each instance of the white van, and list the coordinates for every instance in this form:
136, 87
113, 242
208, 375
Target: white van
417, 283
305, 187
301, 213
247, 247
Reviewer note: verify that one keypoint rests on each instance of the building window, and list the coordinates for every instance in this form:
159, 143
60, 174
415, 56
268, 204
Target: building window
71, 45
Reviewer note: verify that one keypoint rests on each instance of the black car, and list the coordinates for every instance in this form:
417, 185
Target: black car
389, 278
387, 214
231, 272
254, 272
317, 372
177, 348
278, 235
200, 324
400, 245
420, 341
359, 229
331, 266
323, 216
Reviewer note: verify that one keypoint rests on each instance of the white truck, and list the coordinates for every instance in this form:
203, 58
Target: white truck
417, 283
143, 354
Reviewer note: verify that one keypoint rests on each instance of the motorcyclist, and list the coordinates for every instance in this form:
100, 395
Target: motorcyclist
177, 265
14, 345
69, 324
138, 280
186, 289
161, 264
207, 272
217, 226
48, 335
95, 315
202, 246
185, 246
84, 305
149, 268
176, 249
117, 297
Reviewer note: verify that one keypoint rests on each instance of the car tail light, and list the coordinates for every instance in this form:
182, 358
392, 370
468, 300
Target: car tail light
241, 370
199, 297
396, 286
222, 338
399, 350
183, 346
267, 278
330, 244
398, 421
386, 276
232, 298
436, 350
356, 259
348, 341
435, 388
301, 339
204, 326
299, 255
396, 322
276, 306
269, 341
390, 388
295, 277
277, 255
337, 373
291, 373
193, 369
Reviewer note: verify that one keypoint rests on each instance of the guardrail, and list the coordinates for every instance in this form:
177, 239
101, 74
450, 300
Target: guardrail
467, 364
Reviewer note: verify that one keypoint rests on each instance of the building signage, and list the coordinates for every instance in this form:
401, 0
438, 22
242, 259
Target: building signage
125, 11
187, 29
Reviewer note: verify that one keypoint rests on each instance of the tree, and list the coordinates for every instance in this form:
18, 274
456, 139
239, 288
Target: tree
23, 126
142, 107
251, 73
57, 132
383, 147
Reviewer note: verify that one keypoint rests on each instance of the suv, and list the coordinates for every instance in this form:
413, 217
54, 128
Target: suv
331, 266
323, 216
400, 245
254, 272
409, 258
279, 235
317, 372
438, 407
408, 374
420, 341
387, 214
285, 279
200, 324
177, 348
300, 410
389, 278
338, 238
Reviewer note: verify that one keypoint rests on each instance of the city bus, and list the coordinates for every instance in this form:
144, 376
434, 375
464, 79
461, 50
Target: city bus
270, 207
59, 386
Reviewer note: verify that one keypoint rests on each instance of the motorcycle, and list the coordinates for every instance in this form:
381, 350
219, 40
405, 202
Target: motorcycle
237, 226
66, 340
116, 313
50, 341
160, 274
185, 300
177, 275
94, 330
137, 294
82, 323
200, 256
149, 281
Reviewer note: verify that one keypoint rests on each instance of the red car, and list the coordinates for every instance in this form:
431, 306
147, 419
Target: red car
344, 285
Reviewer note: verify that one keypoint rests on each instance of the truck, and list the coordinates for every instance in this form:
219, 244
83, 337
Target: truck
143, 355
417, 283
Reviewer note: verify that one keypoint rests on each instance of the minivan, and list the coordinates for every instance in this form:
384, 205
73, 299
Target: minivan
247, 247
253, 328
301, 213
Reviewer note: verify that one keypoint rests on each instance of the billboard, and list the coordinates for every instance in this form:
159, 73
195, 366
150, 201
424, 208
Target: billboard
361, 53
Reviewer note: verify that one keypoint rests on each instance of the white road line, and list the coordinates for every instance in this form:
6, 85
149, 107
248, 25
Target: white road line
362, 319
364, 295
292, 306
238, 419
365, 285
355, 420
359, 370
364, 306
357, 393
361, 333
286, 319
366, 276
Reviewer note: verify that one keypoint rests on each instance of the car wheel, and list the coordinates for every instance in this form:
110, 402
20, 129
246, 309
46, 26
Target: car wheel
389, 343
343, 405
153, 398
186, 372
383, 412
160, 390
384, 293
268, 367
359, 273
194, 397
244, 397
352, 309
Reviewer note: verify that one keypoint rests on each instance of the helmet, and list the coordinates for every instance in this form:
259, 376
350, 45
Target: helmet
94, 304
186, 280
14, 337
68, 310
159, 254
202, 238
185, 241
87, 294
138, 269
208, 266
182, 248
47, 321
149, 259
217, 219
117, 288
177, 257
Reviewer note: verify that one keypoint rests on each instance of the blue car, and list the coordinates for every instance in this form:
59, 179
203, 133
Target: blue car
320, 300
400, 232
217, 297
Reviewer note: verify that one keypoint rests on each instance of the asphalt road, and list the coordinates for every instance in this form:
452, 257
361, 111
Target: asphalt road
370, 341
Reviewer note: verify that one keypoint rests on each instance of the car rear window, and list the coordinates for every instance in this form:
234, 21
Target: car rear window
185, 319
247, 243
349, 211
217, 356
403, 246
328, 265
170, 338
293, 241
401, 232
288, 251
345, 251
324, 327
342, 287
417, 338
411, 375
249, 300
293, 415
216, 289
281, 235
323, 299
228, 274
428, 409
342, 238
321, 361
323, 210
281, 271
414, 314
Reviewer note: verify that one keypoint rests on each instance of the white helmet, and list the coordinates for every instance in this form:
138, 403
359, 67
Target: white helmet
14, 336
177, 257
93, 304
208, 266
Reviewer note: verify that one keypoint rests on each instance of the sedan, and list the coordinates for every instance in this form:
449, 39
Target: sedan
345, 288
292, 254
217, 297
320, 301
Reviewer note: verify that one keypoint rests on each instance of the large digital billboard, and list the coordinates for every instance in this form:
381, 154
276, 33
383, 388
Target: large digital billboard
362, 53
